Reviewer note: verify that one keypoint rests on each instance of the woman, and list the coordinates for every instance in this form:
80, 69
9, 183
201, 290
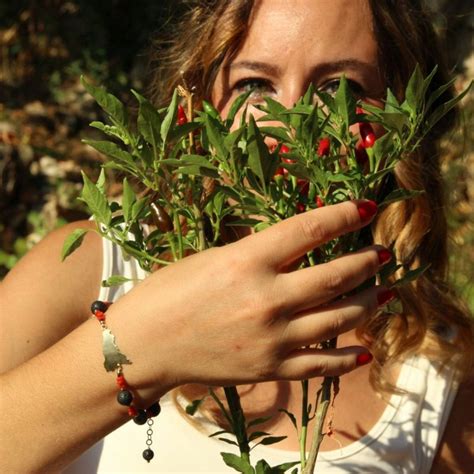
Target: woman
239, 314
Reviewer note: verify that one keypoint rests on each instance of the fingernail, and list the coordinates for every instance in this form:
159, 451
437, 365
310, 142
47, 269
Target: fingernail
385, 296
384, 256
367, 210
364, 358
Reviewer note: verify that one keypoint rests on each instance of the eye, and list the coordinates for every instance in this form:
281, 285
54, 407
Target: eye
331, 87
257, 86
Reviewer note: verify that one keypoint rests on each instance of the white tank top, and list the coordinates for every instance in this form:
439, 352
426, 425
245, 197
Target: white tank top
404, 439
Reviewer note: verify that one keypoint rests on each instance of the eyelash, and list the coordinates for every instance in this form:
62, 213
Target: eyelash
257, 83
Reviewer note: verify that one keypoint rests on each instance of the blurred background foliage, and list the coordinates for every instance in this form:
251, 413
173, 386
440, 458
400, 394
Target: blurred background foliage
45, 45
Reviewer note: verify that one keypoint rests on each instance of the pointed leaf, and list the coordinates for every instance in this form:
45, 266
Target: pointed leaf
148, 121
400, 195
411, 275
235, 107
72, 242
108, 102
170, 117
115, 280
236, 462
96, 201
128, 199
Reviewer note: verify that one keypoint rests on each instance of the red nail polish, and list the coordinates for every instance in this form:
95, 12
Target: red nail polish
364, 358
385, 296
367, 210
384, 256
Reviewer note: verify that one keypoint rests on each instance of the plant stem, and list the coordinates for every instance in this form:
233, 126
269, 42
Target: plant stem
318, 434
304, 423
320, 416
238, 421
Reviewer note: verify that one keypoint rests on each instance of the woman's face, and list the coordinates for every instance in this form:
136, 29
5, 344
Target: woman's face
292, 43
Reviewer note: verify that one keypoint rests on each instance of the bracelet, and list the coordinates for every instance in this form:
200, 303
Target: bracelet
113, 362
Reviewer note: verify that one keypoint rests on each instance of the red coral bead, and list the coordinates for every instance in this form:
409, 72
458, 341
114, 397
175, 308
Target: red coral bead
100, 315
132, 412
324, 147
121, 382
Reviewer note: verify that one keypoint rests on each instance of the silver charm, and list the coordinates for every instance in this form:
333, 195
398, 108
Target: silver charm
113, 358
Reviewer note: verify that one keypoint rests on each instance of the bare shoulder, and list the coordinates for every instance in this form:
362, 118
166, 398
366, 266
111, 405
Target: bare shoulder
456, 451
42, 299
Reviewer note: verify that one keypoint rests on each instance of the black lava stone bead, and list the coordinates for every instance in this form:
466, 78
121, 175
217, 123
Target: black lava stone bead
98, 305
124, 397
148, 454
141, 418
154, 410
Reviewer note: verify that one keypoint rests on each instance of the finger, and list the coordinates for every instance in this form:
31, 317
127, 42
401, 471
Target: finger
286, 241
312, 327
309, 362
312, 286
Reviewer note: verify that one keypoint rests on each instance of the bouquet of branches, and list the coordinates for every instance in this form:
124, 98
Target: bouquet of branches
192, 176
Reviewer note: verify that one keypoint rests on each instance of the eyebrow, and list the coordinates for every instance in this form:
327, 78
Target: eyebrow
320, 69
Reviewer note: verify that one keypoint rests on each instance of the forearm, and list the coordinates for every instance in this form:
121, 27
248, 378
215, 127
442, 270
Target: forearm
61, 402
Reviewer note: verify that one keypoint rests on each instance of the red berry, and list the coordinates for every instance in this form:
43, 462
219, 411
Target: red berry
367, 134
281, 171
319, 202
324, 146
300, 207
303, 186
284, 149
359, 110
182, 119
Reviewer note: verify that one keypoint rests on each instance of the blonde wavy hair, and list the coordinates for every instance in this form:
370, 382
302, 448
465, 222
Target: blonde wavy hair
432, 320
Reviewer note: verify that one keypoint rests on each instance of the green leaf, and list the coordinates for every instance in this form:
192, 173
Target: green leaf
345, 102
262, 467
271, 440
96, 201
262, 164
236, 462
213, 129
414, 90
282, 468
112, 150
391, 103
148, 121
411, 275
395, 120
257, 434
258, 421
400, 195
128, 200
138, 208
235, 107
72, 242
228, 441
101, 181
279, 133
443, 109
196, 160
108, 102
115, 280
290, 416
170, 118
217, 433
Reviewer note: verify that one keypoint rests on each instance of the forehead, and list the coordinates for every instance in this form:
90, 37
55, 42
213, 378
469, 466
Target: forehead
317, 29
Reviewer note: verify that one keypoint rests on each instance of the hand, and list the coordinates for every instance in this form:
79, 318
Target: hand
238, 314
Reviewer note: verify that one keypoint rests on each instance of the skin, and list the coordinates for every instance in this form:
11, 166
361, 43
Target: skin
50, 347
